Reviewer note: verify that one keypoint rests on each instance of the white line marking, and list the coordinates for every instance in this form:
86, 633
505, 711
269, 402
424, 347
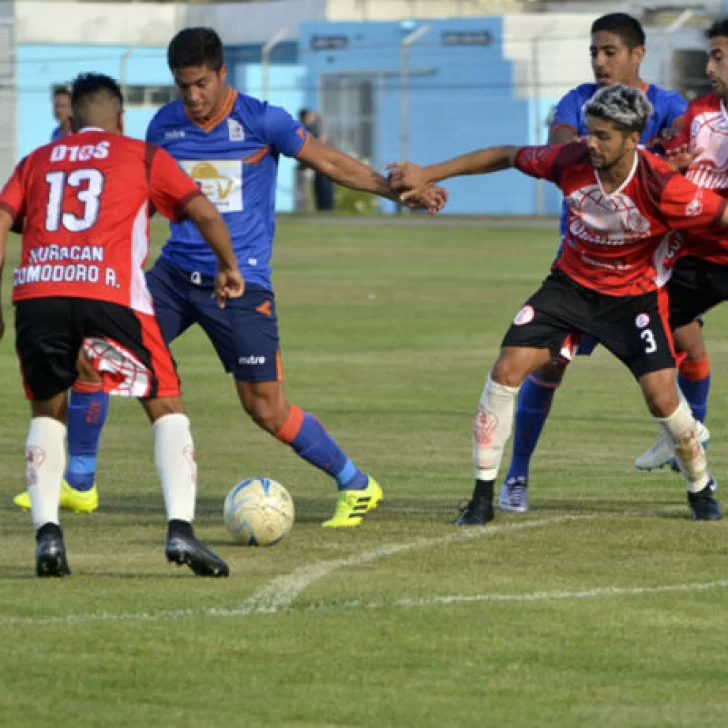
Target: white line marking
280, 594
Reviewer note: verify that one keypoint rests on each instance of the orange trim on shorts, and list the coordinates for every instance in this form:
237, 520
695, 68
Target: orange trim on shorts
695, 369
292, 427
279, 366
83, 387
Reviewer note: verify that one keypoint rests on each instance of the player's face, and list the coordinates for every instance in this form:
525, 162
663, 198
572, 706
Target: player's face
717, 68
613, 61
608, 145
202, 90
62, 108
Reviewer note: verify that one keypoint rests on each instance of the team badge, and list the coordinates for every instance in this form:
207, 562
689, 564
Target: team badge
524, 316
695, 206
642, 321
235, 131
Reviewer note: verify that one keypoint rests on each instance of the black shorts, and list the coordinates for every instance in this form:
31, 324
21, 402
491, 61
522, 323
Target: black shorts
125, 347
695, 286
634, 328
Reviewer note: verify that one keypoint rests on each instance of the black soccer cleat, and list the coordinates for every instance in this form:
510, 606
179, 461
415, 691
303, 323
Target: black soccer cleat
183, 548
703, 505
476, 513
50, 553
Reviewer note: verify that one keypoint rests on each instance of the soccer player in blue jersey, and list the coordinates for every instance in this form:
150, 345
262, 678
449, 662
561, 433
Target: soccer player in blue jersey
617, 49
61, 113
230, 143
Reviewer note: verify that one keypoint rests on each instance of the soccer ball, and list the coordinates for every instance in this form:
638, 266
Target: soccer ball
258, 512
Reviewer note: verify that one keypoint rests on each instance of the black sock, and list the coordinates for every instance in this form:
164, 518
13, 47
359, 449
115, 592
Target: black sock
177, 527
484, 489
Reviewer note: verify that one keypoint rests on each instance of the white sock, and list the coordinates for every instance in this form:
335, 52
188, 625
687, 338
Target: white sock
174, 455
492, 426
682, 429
45, 461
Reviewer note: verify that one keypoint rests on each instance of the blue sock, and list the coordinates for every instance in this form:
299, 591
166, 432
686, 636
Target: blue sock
86, 417
696, 393
306, 435
534, 403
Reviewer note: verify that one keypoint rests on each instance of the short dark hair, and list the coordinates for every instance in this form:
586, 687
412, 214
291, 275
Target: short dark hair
718, 29
193, 47
87, 91
61, 91
628, 29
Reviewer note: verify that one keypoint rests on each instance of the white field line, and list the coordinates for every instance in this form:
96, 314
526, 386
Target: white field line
280, 594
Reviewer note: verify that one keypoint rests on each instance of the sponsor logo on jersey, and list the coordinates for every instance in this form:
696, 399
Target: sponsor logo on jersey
524, 316
642, 320
695, 206
235, 131
174, 134
220, 181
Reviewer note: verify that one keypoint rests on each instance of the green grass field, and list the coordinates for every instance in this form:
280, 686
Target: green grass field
603, 606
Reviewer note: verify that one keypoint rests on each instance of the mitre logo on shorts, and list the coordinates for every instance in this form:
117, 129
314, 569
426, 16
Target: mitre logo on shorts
251, 360
642, 320
524, 316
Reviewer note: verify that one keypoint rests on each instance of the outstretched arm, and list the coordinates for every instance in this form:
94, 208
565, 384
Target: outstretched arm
349, 172
414, 179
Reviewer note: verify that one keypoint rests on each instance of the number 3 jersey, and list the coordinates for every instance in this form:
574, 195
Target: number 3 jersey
85, 204
234, 159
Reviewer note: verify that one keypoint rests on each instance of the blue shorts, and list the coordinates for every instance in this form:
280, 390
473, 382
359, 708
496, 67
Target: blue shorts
244, 333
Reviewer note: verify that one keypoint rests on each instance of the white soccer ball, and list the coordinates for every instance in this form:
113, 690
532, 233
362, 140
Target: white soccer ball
258, 512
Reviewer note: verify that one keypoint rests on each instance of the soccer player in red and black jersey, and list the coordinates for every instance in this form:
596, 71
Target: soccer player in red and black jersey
700, 277
85, 201
608, 282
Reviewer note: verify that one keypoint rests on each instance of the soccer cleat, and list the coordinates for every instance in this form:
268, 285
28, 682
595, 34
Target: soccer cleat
703, 505
78, 501
352, 505
476, 513
513, 495
50, 553
186, 549
663, 453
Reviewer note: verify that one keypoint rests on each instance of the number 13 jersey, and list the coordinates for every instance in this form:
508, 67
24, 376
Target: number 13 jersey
85, 203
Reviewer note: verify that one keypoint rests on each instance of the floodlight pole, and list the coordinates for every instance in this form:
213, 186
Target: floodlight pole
123, 60
406, 42
268, 47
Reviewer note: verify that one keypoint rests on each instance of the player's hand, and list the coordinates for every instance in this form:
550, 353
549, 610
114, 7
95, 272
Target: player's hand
229, 283
405, 176
680, 158
432, 199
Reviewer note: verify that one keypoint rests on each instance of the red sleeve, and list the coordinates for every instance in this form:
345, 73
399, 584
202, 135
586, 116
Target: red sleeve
686, 206
12, 198
672, 142
170, 188
547, 162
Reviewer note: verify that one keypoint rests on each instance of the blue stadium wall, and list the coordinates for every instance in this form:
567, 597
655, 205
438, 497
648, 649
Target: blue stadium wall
41, 67
460, 98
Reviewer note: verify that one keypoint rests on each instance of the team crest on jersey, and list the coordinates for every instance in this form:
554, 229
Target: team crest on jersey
235, 131
695, 206
524, 316
642, 320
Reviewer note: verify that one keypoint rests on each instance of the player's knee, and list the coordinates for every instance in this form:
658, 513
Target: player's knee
553, 371
268, 415
662, 403
161, 406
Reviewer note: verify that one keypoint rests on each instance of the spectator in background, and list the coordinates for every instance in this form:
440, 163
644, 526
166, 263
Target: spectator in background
61, 113
323, 187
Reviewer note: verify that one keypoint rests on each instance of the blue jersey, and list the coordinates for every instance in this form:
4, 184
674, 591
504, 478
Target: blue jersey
667, 108
234, 159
